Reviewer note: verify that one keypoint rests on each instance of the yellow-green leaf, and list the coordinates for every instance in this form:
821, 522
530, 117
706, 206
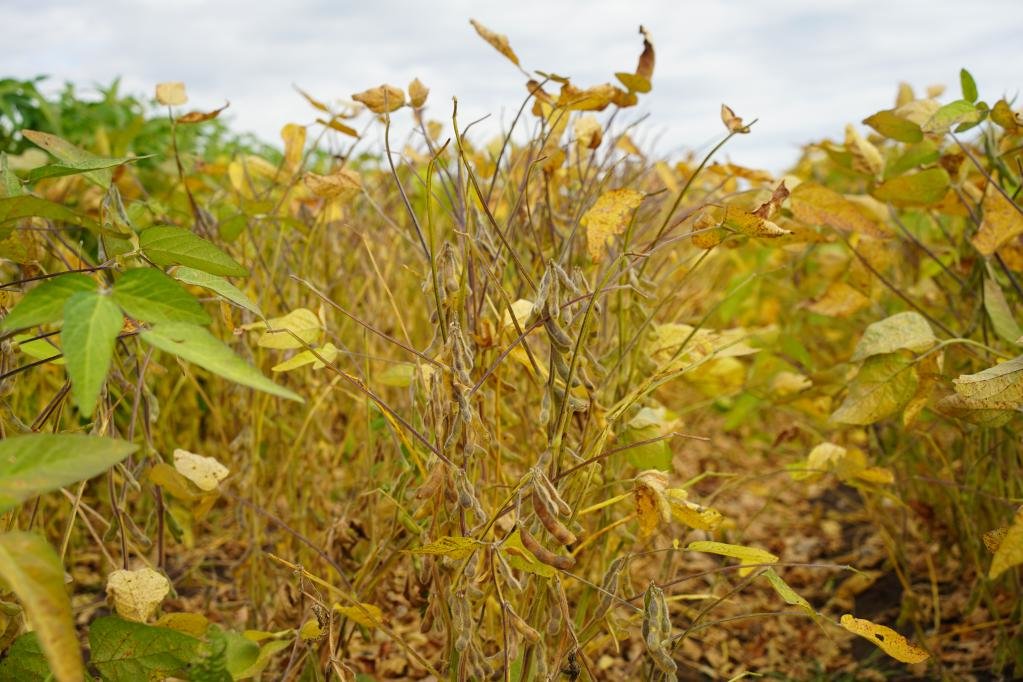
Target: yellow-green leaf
608, 217
367, 615
914, 189
1000, 386
894, 127
902, 331
883, 386
819, 205
454, 546
746, 555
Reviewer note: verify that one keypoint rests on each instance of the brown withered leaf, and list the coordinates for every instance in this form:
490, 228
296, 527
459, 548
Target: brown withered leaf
200, 116
773, 205
731, 121
417, 93
498, 41
382, 99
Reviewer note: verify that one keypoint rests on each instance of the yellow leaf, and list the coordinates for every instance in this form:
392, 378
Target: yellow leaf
993, 538
281, 332
746, 555
497, 41
294, 145
194, 624
902, 331
137, 594
171, 94
750, 224
732, 122
205, 472
652, 506
1010, 549
882, 387
454, 546
839, 300
786, 592
310, 630
865, 156
417, 93
785, 384
588, 131
690, 513
639, 81
998, 387
328, 352
337, 125
1003, 115
381, 99
607, 218
342, 184
1002, 222
818, 205
889, 641
366, 615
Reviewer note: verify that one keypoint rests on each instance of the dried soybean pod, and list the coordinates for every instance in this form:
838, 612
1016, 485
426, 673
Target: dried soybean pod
523, 628
657, 629
540, 477
561, 341
506, 572
542, 554
609, 586
551, 522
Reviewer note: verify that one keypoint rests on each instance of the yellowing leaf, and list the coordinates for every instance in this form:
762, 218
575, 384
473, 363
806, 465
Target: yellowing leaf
588, 131
1010, 549
366, 615
171, 94
894, 127
381, 99
732, 122
294, 145
889, 641
902, 331
839, 300
818, 205
281, 332
652, 507
328, 352
998, 310
137, 594
914, 189
607, 218
454, 546
497, 41
751, 224
953, 113
883, 386
785, 384
205, 472
1002, 222
746, 555
310, 630
193, 624
993, 538
522, 559
1003, 115
865, 156
786, 592
1000, 386
342, 184
690, 513
417, 93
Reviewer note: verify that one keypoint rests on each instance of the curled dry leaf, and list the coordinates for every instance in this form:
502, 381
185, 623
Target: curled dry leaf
205, 472
382, 99
171, 94
498, 41
417, 93
341, 184
137, 594
588, 131
639, 81
731, 121
889, 641
201, 116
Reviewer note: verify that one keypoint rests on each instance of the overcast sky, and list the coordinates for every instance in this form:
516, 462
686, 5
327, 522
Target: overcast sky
804, 68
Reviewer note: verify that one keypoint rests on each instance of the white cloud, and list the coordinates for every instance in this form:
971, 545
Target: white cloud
803, 68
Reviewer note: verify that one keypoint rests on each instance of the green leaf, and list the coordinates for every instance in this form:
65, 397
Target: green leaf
72, 156
894, 127
646, 425
1000, 386
953, 113
167, 245
883, 386
902, 331
32, 571
998, 310
151, 296
45, 303
217, 285
968, 85
58, 170
265, 653
10, 185
40, 462
91, 324
200, 347
241, 654
25, 661
914, 156
125, 651
915, 189
28, 206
